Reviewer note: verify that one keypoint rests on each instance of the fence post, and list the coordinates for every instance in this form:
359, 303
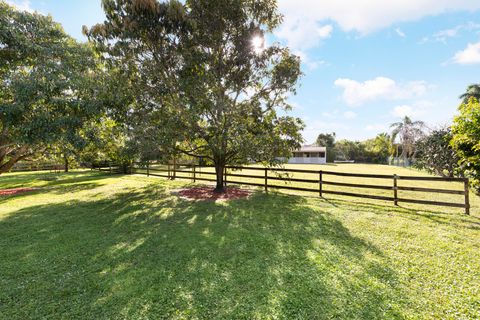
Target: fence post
174, 169
395, 195
467, 196
194, 178
225, 177
320, 183
148, 168
266, 180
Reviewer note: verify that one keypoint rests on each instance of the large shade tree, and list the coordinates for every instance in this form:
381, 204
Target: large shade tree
46, 85
205, 84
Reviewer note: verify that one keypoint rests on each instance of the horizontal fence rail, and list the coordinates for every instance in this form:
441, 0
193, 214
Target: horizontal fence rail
37, 167
315, 183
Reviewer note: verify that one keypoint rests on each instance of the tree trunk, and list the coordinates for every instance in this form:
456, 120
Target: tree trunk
6, 166
65, 160
219, 174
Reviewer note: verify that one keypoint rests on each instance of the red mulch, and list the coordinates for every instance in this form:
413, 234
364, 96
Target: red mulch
207, 193
9, 192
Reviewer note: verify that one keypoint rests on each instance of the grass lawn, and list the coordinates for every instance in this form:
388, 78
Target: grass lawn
97, 246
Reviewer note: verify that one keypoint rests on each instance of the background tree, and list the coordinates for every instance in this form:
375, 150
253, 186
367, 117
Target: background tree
204, 83
349, 150
327, 140
408, 132
466, 140
473, 91
379, 148
436, 155
47, 81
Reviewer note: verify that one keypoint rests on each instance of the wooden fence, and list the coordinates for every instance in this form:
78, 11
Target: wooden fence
37, 166
316, 181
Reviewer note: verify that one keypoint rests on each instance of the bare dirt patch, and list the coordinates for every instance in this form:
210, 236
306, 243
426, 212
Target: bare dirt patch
207, 193
10, 192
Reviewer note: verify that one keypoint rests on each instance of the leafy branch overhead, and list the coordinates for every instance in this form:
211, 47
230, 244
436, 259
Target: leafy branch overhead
47, 81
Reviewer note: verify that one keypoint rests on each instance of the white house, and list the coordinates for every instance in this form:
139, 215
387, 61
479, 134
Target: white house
309, 154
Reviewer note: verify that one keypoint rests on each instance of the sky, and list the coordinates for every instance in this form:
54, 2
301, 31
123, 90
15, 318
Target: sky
365, 63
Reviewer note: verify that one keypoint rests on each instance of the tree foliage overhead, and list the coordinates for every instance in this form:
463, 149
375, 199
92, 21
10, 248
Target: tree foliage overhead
466, 139
46, 80
204, 83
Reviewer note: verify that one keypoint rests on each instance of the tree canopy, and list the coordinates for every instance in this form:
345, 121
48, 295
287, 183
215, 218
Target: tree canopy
436, 155
473, 91
466, 139
203, 80
47, 80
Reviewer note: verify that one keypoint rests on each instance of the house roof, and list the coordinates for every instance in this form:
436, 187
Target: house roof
307, 148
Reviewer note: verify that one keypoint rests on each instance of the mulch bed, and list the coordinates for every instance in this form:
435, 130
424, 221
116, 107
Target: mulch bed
9, 192
207, 193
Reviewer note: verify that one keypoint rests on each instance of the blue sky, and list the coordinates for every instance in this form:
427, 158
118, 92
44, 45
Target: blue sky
366, 64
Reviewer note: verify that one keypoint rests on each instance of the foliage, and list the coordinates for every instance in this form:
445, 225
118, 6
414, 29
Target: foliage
473, 91
203, 82
379, 148
327, 140
374, 150
435, 154
408, 132
47, 83
466, 140
348, 150
109, 141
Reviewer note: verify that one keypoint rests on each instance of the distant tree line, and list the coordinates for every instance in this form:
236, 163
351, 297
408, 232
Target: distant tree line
447, 151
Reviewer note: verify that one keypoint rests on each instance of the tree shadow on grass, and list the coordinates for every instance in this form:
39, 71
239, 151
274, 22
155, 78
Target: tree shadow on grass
147, 254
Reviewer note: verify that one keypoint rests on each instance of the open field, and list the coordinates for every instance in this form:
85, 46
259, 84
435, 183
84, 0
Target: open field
98, 246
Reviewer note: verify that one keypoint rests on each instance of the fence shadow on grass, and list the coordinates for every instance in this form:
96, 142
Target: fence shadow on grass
147, 253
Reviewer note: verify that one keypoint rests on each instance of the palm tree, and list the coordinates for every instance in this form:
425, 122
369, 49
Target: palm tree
473, 91
408, 132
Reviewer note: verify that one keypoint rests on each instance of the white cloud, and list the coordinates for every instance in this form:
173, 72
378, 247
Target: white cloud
377, 127
415, 110
403, 111
400, 33
349, 114
444, 35
470, 55
23, 5
302, 35
357, 93
309, 62
314, 128
303, 17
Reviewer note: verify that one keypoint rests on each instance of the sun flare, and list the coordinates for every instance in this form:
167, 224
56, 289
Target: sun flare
258, 44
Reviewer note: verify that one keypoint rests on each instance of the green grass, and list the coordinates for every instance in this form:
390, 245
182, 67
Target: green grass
92, 246
361, 168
